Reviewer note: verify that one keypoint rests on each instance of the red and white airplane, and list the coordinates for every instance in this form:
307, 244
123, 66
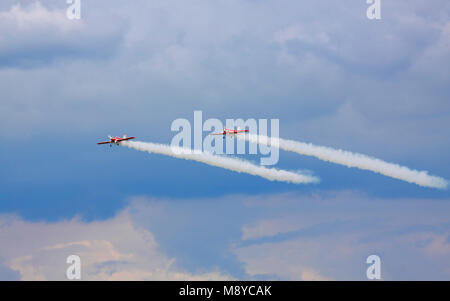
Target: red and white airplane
116, 140
230, 132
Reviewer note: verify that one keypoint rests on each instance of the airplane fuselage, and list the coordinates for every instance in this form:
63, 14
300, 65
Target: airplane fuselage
116, 140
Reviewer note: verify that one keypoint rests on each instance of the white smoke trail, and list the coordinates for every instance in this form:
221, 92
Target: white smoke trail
233, 164
350, 159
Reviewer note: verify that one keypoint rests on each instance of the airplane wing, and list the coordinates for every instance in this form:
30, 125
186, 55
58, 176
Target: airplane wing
106, 142
129, 138
241, 131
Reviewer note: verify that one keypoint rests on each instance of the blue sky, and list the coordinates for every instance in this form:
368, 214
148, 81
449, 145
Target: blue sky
331, 76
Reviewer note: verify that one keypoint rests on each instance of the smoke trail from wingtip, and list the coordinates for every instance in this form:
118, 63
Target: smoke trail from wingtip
350, 159
233, 164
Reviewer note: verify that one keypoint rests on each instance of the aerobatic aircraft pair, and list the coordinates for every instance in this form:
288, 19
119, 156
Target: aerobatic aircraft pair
117, 140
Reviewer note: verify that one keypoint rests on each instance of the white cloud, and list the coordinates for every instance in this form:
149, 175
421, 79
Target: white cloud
27, 18
114, 249
34, 35
326, 71
298, 32
329, 236
282, 236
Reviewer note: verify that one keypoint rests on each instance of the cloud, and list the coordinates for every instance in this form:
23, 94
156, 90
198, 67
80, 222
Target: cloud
329, 236
35, 35
291, 236
331, 76
7, 273
114, 249
336, 79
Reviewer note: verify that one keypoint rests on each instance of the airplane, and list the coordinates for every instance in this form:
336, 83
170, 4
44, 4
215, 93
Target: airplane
116, 140
230, 132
